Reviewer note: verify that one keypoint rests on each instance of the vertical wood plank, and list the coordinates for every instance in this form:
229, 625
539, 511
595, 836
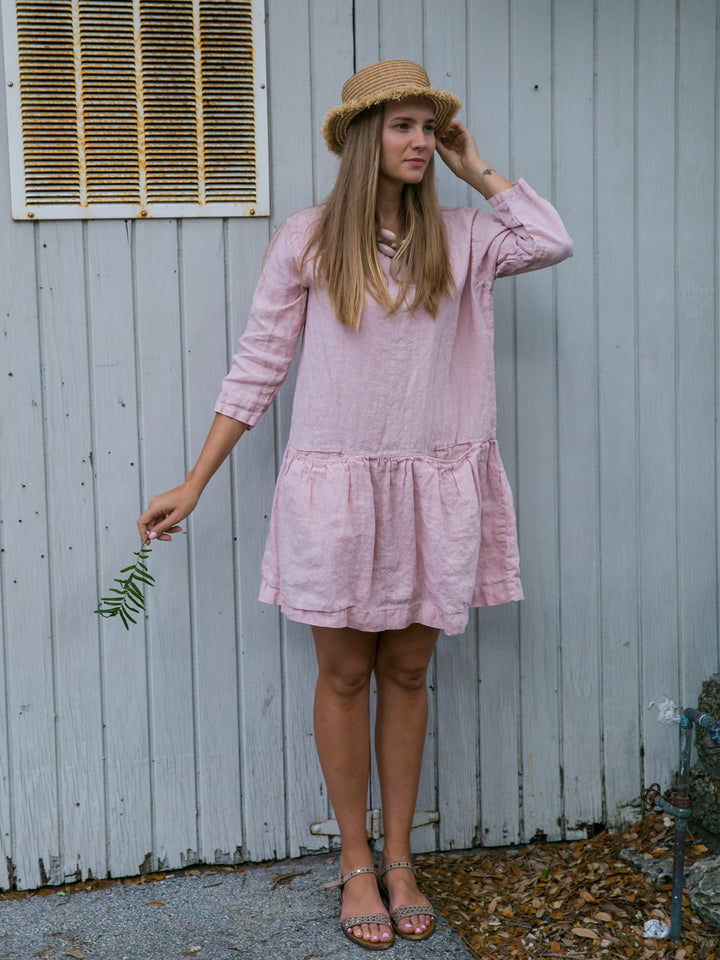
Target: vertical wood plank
401, 30
537, 437
258, 631
211, 551
29, 790
577, 420
367, 32
24, 594
261, 642
457, 739
169, 653
117, 498
488, 117
618, 436
456, 668
70, 510
32, 792
331, 63
657, 385
330, 29
445, 35
5, 379
697, 374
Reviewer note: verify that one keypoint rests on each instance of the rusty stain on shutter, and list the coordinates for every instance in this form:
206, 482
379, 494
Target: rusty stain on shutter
140, 102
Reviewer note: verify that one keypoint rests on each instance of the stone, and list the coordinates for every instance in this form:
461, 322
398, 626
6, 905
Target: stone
702, 882
704, 776
656, 871
708, 751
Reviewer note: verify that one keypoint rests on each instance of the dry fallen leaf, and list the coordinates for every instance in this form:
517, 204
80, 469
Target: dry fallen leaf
155, 903
283, 878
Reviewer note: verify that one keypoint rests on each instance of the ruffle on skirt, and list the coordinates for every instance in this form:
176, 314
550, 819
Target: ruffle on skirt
377, 543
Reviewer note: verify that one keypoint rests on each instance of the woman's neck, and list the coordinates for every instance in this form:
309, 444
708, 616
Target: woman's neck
388, 205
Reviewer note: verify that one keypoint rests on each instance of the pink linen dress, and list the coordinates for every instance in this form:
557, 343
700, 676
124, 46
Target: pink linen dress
392, 505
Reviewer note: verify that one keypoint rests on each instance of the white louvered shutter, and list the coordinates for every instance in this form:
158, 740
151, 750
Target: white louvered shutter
136, 108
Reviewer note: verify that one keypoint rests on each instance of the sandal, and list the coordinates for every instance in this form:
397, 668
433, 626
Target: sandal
402, 913
348, 923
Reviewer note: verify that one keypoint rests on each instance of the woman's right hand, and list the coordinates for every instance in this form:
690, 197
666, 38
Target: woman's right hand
165, 512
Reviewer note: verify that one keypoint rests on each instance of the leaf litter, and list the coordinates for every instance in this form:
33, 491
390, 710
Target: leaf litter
572, 899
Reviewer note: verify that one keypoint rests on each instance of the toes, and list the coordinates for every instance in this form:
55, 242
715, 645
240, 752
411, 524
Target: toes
416, 924
372, 933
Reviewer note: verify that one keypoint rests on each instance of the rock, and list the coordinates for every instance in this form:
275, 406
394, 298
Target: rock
708, 750
704, 776
702, 882
656, 871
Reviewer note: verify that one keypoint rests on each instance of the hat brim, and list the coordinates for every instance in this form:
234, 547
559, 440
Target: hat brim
338, 119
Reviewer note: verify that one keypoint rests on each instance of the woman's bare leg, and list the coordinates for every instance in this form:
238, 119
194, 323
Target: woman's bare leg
342, 733
401, 670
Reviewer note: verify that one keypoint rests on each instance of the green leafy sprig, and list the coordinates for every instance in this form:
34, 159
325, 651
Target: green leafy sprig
128, 597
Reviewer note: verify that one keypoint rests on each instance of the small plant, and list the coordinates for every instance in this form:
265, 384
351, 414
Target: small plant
128, 597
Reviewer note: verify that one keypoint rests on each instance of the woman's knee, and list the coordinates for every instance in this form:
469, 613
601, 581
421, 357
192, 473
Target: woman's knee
345, 660
404, 656
345, 679
409, 676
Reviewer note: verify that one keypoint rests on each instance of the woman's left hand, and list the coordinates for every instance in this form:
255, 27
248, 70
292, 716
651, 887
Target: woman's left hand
459, 151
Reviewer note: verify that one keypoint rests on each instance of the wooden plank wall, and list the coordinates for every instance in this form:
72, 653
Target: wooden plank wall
190, 738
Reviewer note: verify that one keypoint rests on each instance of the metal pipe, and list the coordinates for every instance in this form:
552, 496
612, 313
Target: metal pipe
680, 807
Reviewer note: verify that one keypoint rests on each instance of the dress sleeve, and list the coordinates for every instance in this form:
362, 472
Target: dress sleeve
268, 345
526, 233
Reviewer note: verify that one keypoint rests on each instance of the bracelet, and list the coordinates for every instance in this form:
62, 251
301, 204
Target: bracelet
484, 174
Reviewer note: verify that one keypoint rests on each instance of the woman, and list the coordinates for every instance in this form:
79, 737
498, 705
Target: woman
392, 513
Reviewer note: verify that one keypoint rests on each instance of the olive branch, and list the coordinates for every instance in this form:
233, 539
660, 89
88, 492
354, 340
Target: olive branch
128, 597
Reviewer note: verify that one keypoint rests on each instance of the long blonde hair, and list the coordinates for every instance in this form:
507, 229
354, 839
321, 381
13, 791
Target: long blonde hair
344, 244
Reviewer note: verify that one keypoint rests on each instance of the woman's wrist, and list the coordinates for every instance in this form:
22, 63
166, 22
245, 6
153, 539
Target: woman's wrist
486, 180
194, 484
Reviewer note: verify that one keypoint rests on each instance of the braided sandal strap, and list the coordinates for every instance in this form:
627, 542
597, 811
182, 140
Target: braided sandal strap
382, 919
401, 913
341, 881
396, 865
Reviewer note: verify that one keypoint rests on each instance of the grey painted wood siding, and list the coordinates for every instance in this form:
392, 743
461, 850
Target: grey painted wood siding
190, 738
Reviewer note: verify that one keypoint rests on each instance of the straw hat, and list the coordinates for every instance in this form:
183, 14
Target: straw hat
378, 83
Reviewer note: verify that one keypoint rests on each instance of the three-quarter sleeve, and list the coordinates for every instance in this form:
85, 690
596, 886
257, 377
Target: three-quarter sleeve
526, 233
267, 347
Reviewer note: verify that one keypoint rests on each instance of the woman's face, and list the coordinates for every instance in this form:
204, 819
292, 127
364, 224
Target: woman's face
408, 140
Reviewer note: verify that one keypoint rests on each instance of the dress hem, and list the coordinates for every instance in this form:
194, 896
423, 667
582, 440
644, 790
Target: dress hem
452, 623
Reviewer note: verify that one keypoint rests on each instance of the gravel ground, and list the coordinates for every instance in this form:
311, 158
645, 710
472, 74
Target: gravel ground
276, 911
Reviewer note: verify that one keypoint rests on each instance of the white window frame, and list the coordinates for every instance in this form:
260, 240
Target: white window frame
22, 210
